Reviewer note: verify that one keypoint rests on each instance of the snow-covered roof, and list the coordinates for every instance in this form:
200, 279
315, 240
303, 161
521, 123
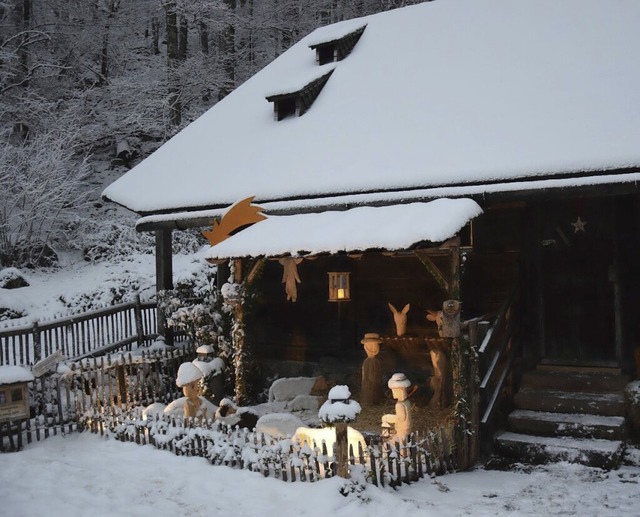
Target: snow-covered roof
433, 95
393, 227
14, 374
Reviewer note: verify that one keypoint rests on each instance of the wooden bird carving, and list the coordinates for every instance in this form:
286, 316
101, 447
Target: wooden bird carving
237, 217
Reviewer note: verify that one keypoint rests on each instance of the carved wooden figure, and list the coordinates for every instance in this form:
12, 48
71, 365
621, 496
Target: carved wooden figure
400, 318
436, 317
448, 322
188, 379
193, 403
440, 381
448, 319
401, 420
371, 385
290, 277
451, 318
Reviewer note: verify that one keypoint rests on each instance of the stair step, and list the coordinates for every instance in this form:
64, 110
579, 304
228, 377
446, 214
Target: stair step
612, 367
541, 449
567, 424
605, 404
574, 380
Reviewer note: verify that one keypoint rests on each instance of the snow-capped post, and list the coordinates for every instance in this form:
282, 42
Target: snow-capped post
338, 411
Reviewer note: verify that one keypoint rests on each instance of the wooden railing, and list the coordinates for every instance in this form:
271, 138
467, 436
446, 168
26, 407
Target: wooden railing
82, 335
499, 346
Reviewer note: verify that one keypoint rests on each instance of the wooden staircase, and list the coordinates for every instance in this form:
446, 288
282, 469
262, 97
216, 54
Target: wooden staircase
567, 413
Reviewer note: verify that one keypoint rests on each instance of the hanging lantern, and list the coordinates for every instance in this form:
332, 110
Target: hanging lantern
339, 290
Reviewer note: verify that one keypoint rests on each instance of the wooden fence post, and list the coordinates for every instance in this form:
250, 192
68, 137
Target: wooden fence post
37, 345
121, 382
137, 310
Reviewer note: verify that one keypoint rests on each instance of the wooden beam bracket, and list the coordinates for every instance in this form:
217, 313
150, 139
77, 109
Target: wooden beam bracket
434, 270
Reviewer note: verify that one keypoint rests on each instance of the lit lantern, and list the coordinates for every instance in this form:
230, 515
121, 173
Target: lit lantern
339, 290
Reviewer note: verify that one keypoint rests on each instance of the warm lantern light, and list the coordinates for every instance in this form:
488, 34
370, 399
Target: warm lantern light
339, 290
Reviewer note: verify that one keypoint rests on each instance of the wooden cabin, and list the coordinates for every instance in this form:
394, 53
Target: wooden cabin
441, 101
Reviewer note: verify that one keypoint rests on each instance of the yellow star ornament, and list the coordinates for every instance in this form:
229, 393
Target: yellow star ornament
579, 225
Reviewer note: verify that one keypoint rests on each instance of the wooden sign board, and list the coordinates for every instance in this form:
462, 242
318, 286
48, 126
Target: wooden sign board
14, 403
47, 364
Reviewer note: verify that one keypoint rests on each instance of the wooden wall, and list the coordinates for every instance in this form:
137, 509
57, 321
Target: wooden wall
313, 327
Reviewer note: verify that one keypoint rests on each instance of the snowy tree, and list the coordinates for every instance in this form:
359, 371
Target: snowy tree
40, 200
86, 79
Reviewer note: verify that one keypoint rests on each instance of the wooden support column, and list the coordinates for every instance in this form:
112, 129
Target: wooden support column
237, 338
164, 278
454, 282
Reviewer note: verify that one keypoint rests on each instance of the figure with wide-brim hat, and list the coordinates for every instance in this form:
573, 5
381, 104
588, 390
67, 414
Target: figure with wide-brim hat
371, 386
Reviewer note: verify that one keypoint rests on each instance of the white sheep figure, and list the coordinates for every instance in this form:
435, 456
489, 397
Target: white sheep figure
400, 318
278, 425
287, 388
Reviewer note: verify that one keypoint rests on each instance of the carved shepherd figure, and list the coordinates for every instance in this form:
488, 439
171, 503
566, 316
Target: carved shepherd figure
441, 382
400, 318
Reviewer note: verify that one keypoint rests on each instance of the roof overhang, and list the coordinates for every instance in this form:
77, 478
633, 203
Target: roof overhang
599, 183
395, 227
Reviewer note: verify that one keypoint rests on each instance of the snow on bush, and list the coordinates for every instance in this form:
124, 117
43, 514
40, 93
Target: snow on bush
213, 367
12, 278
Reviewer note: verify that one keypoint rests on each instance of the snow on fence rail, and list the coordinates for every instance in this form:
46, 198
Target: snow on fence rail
381, 463
91, 333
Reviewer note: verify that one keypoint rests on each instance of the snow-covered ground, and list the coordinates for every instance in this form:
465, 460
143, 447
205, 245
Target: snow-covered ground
84, 474
55, 292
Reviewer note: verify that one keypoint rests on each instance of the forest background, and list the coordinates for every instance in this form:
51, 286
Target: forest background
88, 88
